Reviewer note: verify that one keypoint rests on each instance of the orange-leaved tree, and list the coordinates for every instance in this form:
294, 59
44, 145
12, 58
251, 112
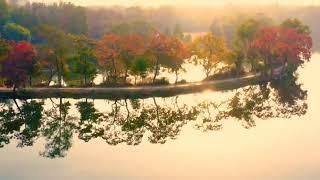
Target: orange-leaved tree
108, 51
167, 51
177, 55
132, 46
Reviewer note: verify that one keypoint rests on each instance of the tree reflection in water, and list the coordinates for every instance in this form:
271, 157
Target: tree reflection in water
22, 124
279, 99
58, 128
130, 120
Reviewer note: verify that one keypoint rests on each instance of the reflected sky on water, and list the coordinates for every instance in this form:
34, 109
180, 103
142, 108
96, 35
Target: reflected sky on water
266, 131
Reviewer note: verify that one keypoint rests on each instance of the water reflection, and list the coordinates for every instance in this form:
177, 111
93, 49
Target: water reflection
133, 121
58, 128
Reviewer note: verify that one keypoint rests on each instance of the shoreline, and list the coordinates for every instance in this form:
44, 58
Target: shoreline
132, 92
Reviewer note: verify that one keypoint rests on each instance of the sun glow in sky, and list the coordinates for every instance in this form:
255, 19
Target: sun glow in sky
185, 2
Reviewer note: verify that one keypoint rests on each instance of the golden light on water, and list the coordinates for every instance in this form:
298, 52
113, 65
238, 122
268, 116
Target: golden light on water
152, 138
277, 148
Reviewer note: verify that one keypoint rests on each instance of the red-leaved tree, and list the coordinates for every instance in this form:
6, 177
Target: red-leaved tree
19, 64
282, 45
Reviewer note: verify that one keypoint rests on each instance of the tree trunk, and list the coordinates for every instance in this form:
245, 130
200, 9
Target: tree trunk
128, 111
58, 71
238, 68
108, 79
85, 72
15, 102
155, 71
176, 72
265, 69
50, 77
135, 80
284, 66
114, 72
126, 75
30, 81
207, 74
157, 108
60, 106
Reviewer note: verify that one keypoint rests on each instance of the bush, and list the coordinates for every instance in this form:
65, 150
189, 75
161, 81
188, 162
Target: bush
112, 84
161, 82
224, 75
158, 82
183, 81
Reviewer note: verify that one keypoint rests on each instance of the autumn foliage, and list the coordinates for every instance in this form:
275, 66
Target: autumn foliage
167, 51
115, 51
125, 53
17, 67
283, 44
118, 54
210, 51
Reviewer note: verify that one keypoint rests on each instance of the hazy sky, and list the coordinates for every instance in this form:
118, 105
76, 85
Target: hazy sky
186, 2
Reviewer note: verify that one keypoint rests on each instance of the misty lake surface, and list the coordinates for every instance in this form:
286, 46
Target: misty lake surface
267, 131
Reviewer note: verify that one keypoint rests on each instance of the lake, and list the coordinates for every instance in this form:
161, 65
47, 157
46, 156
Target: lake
266, 131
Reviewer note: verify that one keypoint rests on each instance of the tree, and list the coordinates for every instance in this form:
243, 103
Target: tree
66, 16
46, 59
297, 25
282, 45
132, 46
31, 115
83, 63
167, 32
224, 28
18, 66
58, 130
117, 53
57, 46
245, 33
209, 51
4, 13
177, 56
178, 33
4, 49
167, 51
141, 28
108, 51
140, 67
15, 32
24, 15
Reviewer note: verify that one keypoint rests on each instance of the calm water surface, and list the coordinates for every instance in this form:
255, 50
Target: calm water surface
267, 131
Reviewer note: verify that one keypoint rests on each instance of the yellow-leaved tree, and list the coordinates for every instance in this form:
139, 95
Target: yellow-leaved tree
209, 51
